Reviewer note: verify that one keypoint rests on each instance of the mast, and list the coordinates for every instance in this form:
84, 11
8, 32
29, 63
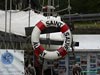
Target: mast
69, 11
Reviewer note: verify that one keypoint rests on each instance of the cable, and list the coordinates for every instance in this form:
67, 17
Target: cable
53, 12
29, 13
27, 8
5, 22
10, 18
62, 10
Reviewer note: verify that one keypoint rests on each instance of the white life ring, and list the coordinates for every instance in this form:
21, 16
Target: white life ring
39, 50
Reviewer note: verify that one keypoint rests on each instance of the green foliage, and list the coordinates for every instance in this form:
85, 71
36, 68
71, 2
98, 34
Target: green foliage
86, 28
85, 6
87, 25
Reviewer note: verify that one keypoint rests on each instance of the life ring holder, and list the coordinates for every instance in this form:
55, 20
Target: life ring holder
60, 52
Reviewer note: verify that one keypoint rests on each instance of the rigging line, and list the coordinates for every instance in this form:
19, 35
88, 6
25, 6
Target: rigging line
27, 8
52, 12
29, 13
72, 45
61, 10
48, 10
69, 11
39, 11
58, 5
47, 35
42, 5
53, 5
10, 34
48, 16
5, 22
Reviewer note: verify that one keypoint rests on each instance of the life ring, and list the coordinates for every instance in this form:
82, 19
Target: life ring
39, 50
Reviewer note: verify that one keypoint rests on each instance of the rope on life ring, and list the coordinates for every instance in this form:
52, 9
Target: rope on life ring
60, 52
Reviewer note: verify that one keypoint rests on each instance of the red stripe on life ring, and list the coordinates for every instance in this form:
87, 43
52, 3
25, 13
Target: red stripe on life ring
62, 51
38, 50
64, 28
40, 25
